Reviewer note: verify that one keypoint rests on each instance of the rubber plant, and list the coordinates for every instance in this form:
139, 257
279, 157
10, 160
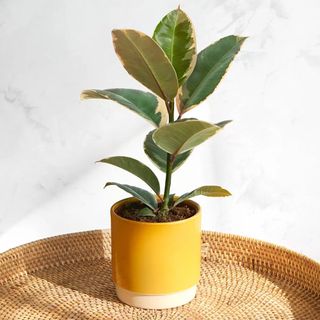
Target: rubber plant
168, 64
179, 79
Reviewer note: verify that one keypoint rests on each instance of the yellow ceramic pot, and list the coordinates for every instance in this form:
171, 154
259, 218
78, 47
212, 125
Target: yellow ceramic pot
155, 265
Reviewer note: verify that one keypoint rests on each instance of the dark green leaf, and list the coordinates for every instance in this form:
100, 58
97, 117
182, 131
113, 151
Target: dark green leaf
212, 64
159, 157
143, 103
171, 200
208, 191
146, 212
137, 168
142, 57
175, 35
222, 124
143, 195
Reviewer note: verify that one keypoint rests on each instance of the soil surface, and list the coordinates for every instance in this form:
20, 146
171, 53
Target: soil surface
131, 211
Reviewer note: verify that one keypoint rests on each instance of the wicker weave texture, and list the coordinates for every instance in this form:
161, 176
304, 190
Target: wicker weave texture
69, 277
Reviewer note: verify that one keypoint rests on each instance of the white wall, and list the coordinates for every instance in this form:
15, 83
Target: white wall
269, 157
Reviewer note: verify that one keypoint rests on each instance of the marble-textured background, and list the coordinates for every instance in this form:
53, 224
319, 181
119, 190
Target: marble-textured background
49, 140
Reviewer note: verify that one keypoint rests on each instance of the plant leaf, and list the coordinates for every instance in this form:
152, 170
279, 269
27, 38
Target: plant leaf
142, 57
175, 35
171, 200
186, 119
208, 191
143, 103
137, 168
143, 195
159, 157
212, 64
178, 137
222, 124
146, 212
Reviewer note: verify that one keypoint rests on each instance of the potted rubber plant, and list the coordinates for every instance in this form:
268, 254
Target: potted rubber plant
156, 235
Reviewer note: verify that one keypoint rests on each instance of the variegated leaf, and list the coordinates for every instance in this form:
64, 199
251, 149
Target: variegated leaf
179, 137
143, 195
137, 168
212, 64
142, 57
159, 157
208, 191
175, 35
143, 103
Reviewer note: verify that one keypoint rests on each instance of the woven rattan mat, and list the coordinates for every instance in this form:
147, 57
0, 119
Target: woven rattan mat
69, 277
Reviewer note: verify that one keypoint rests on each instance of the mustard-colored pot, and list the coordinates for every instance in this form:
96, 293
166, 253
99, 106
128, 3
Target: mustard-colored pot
155, 265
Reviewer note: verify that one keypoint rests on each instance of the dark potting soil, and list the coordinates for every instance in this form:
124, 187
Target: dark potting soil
131, 211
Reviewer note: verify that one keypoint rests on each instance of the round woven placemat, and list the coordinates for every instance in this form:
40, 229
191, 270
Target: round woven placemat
69, 277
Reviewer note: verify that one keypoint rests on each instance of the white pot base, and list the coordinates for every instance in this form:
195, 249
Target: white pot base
154, 301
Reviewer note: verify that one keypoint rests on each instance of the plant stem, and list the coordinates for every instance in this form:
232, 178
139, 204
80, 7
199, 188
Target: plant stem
167, 183
171, 111
164, 207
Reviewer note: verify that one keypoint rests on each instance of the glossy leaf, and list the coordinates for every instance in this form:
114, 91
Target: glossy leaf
176, 138
143, 103
175, 35
212, 64
142, 57
143, 195
208, 191
137, 168
159, 157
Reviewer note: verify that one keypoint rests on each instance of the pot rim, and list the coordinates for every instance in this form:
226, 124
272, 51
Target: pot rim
133, 199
